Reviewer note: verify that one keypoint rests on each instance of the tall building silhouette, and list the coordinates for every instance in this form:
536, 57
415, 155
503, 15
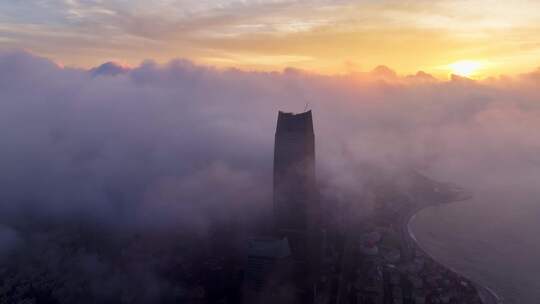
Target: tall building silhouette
283, 268
295, 189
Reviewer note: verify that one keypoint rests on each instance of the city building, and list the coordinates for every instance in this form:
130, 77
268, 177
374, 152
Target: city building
264, 258
296, 201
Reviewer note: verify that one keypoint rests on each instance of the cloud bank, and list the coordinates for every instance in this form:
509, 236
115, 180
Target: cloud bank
181, 147
112, 140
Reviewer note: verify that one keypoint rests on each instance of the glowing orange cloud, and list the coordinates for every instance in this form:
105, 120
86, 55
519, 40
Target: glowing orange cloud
321, 36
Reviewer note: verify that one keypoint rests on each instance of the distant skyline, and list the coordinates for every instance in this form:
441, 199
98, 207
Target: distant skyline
471, 38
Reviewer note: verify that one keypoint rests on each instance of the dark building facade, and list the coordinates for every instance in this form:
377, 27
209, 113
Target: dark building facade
296, 203
266, 262
283, 268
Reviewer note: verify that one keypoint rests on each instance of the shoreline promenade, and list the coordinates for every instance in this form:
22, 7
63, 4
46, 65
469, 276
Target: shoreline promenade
486, 294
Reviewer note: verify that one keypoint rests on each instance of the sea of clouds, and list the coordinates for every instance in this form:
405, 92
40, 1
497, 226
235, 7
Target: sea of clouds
181, 142
178, 144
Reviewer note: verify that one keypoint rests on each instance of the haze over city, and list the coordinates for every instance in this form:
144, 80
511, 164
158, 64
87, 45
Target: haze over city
146, 146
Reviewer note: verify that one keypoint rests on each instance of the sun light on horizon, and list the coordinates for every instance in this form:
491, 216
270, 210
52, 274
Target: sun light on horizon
473, 39
465, 68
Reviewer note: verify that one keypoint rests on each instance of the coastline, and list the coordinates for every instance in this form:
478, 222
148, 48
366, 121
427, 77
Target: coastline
487, 295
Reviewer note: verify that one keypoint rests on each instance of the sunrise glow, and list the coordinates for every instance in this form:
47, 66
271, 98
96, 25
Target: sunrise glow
327, 37
465, 68
269, 151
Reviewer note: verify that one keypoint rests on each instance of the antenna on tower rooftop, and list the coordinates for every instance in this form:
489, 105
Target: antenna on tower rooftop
307, 104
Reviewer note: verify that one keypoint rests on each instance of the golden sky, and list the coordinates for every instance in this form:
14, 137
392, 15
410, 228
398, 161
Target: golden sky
473, 38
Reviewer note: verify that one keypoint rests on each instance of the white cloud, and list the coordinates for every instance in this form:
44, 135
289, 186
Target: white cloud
76, 141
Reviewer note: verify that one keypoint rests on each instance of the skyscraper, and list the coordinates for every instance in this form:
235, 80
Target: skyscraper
295, 190
283, 268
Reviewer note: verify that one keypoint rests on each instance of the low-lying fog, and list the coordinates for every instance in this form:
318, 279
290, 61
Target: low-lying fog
180, 149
